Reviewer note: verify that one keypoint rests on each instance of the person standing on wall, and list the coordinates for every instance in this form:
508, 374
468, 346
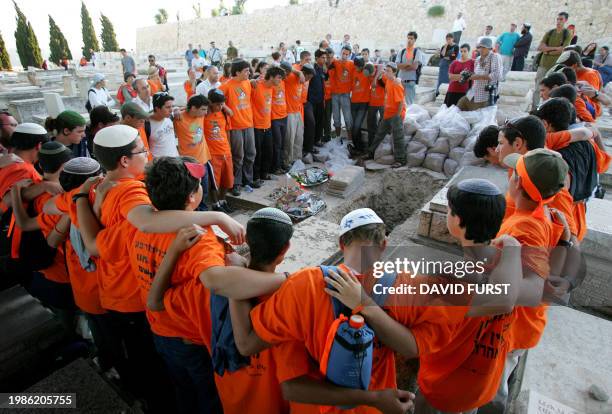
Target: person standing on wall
521, 48
409, 62
448, 53
214, 55
458, 27
189, 55
232, 52
505, 44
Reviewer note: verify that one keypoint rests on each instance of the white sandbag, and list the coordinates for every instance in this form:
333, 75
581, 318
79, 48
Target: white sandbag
434, 161
382, 150
411, 126
488, 116
450, 166
456, 153
441, 146
443, 112
454, 125
470, 159
415, 159
471, 116
385, 159
454, 141
417, 113
427, 136
415, 146
469, 143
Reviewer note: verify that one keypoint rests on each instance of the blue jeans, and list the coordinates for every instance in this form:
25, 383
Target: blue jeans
409, 91
204, 182
279, 130
341, 102
191, 373
359, 111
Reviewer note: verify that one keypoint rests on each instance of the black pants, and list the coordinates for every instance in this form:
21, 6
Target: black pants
318, 110
375, 115
518, 64
309, 129
457, 37
139, 365
264, 151
327, 120
359, 111
279, 130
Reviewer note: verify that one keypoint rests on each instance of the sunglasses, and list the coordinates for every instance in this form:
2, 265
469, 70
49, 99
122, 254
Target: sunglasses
144, 151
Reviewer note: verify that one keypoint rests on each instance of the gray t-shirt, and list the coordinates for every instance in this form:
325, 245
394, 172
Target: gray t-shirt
129, 66
405, 56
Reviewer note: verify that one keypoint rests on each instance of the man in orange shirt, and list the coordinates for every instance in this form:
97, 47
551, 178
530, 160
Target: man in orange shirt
279, 126
360, 96
329, 86
237, 92
189, 129
572, 59
341, 92
293, 139
376, 105
393, 116
270, 79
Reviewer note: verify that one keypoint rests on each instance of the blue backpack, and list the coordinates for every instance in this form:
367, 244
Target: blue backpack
225, 355
347, 356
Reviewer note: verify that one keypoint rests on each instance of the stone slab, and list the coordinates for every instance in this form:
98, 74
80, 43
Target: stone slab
598, 241
572, 355
540, 404
371, 165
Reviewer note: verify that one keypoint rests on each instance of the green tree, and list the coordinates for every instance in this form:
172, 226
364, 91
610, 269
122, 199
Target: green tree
90, 41
57, 43
5, 61
238, 7
161, 17
197, 10
27, 44
294, 2
109, 41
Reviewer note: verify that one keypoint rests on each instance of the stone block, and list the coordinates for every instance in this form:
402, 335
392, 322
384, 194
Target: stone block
70, 88
598, 241
53, 103
532, 402
424, 222
438, 230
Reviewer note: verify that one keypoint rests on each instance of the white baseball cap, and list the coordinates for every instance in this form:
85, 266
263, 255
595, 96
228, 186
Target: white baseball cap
358, 218
115, 136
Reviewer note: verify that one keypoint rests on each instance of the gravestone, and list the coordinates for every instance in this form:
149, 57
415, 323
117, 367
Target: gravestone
54, 104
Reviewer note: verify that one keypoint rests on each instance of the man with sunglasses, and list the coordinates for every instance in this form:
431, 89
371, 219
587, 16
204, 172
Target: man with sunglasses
7, 127
487, 71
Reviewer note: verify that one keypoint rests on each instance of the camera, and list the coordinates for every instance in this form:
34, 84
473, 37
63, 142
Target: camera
465, 76
492, 89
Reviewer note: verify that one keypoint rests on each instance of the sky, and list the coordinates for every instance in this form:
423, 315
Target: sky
126, 17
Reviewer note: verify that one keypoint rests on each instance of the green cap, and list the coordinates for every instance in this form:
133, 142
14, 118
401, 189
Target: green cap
546, 169
134, 110
71, 119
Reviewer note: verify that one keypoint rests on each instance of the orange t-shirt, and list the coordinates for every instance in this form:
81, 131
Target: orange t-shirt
13, 173
189, 89
84, 284
297, 66
155, 85
147, 250
57, 272
394, 95
344, 70
215, 131
594, 79
279, 102
537, 237
361, 87
119, 289
377, 96
329, 84
238, 99
581, 110
293, 92
190, 133
261, 99
145, 142
223, 79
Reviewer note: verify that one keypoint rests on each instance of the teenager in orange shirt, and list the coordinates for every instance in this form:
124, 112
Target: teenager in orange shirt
154, 81
125, 209
572, 60
360, 97
189, 129
393, 116
190, 84
329, 87
270, 78
279, 126
341, 90
294, 138
237, 92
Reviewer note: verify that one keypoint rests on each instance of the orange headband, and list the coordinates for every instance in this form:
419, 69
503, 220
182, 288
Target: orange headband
531, 189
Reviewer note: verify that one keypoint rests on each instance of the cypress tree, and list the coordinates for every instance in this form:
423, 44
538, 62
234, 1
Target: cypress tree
27, 44
89, 35
57, 43
109, 41
5, 61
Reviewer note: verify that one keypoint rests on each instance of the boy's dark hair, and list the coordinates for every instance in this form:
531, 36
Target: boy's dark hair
160, 99
153, 56
330, 51
573, 59
413, 34
449, 36
465, 45
260, 66
319, 53
480, 215
529, 128
307, 71
606, 48
565, 91
23, 141
570, 75
273, 72
486, 139
554, 79
564, 14
254, 62
169, 182
238, 65
347, 48
365, 49
370, 232
127, 75
304, 54
109, 157
216, 96
122, 50
52, 156
196, 51
266, 239
557, 112
101, 114
276, 55
197, 101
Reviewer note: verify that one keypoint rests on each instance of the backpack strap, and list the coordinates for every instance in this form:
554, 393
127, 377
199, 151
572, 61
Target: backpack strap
339, 307
147, 128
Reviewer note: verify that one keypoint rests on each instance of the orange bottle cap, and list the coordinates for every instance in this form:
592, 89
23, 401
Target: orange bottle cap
356, 321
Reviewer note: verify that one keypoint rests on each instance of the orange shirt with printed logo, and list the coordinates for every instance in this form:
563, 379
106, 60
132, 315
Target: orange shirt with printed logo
361, 87
394, 95
344, 70
293, 92
279, 101
377, 95
215, 131
119, 289
57, 271
190, 133
84, 283
262, 105
238, 99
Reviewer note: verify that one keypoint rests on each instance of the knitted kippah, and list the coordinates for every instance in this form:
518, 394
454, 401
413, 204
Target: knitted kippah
82, 166
52, 148
479, 186
72, 119
274, 214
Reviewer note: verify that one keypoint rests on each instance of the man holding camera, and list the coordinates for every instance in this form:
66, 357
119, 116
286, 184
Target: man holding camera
487, 71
